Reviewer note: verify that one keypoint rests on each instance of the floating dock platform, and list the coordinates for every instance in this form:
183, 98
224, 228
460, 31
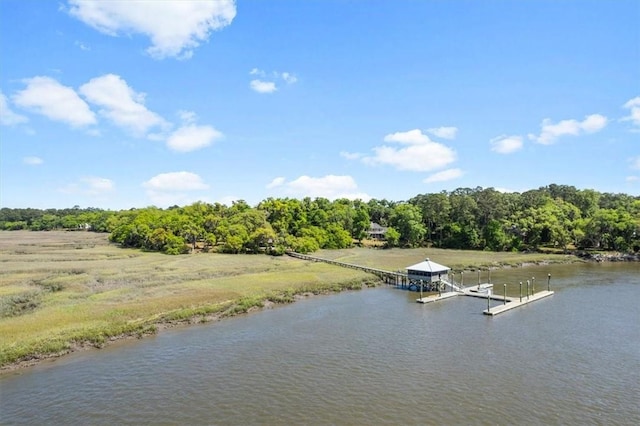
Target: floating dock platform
485, 291
437, 297
515, 302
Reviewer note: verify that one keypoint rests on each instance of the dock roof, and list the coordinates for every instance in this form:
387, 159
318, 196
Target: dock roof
428, 266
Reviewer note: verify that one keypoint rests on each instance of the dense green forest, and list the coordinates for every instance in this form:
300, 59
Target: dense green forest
557, 216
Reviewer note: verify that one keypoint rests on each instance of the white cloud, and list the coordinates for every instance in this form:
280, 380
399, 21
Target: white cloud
635, 163
263, 86
444, 175
504, 144
173, 188
48, 97
551, 132
279, 181
412, 137
421, 154
174, 27
7, 116
192, 137
444, 132
632, 178
330, 187
229, 200
176, 181
120, 104
90, 185
593, 123
505, 190
633, 105
32, 161
97, 185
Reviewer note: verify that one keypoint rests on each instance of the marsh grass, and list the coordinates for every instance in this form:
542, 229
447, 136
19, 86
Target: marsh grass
60, 290
394, 259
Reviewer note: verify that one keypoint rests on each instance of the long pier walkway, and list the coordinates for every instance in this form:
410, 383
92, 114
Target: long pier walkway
389, 277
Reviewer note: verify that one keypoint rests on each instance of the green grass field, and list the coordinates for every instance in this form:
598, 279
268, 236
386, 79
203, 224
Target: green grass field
62, 289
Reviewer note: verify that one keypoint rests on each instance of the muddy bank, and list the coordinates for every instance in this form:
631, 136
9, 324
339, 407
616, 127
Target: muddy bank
609, 257
239, 308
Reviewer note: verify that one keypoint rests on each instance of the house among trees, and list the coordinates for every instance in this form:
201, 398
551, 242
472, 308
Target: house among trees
376, 232
427, 272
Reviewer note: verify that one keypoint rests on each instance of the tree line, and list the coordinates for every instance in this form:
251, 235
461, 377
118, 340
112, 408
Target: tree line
557, 216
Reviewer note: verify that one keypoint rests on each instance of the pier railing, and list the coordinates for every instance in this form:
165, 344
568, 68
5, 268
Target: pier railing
388, 276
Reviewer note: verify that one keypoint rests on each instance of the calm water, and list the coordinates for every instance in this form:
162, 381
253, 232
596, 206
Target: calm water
368, 357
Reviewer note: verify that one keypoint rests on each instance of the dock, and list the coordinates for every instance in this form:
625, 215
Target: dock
437, 297
514, 302
480, 290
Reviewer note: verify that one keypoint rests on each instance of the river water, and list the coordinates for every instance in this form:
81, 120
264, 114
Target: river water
368, 357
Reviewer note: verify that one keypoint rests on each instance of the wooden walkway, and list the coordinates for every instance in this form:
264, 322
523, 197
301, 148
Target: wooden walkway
389, 277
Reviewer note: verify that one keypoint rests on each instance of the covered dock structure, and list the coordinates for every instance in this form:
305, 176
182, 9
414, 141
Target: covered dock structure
428, 275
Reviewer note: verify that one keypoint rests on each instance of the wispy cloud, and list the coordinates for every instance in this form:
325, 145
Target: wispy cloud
331, 187
445, 175
550, 131
351, 155
7, 116
32, 161
633, 105
90, 185
276, 182
504, 144
267, 81
444, 132
191, 137
172, 188
175, 28
82, 46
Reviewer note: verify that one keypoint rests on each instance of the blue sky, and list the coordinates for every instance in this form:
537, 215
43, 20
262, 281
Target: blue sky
120, 104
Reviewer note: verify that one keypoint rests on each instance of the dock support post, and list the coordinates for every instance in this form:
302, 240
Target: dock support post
478, 278
549, 282
489, 279
488, 302
420, 289
527, 289
462, 279
533, 286
520, 291
505, 294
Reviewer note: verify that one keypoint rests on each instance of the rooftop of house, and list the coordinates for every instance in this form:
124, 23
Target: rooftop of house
428, 266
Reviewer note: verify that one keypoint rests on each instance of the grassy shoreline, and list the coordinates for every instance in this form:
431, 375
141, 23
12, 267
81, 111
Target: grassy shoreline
64, 291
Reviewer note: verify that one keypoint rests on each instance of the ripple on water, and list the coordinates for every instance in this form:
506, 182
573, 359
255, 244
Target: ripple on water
368, 357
